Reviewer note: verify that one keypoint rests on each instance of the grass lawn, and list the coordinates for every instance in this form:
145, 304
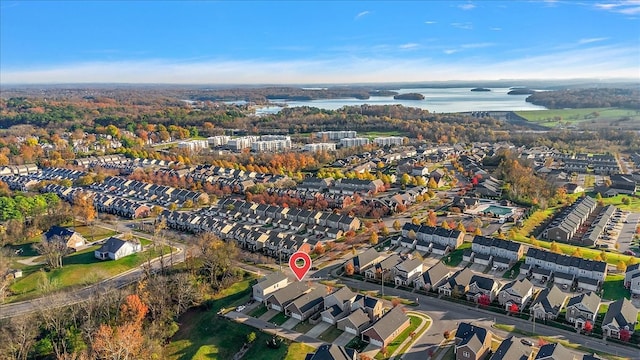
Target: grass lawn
259, 311
330, 334
613, 288
80, 268
551, 118
515, 269
417, 336
391, 348
99, 233
205, 335
455, 257
296, 351
303, 326
634, 202
374, 134
279, 319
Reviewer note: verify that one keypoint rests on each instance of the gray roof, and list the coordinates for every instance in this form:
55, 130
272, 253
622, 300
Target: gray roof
553, 351
520, 287
333, 352
622, 313
511, 349
112, 245
390, 322
435, 273
589, 300
289, 293
271, 279
551, 300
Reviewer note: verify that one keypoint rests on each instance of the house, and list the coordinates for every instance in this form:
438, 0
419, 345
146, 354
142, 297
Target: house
480, 285
269, 284
407, 271
364, 260
632, 279
516, 292
115, 249
305, 306
283, 297
471, 342
372, 306
457, 284
495, 247
583, 308
384, 269
512, 349
548, 303
553, 351
621, 315
337, 305
71, 239
357, 321
433, 277
332, 352
387, 328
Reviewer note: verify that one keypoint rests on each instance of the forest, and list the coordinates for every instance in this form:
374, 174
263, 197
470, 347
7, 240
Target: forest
588, 98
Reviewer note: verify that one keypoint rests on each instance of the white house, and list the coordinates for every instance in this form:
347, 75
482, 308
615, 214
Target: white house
269, 284
115, 249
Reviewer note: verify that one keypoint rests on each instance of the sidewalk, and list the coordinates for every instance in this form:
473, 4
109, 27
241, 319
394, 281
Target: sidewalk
410, 339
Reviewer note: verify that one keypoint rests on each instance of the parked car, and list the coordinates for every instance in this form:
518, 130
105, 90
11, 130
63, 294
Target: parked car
629, 252
240, 308
526, 342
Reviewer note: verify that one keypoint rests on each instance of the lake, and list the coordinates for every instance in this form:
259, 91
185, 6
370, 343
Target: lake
447, 100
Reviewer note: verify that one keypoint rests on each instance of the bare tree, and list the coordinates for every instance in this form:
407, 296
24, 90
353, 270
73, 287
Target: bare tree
53, 250
17, 337
217, 258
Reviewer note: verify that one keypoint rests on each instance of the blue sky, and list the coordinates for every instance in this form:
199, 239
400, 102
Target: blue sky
249, 42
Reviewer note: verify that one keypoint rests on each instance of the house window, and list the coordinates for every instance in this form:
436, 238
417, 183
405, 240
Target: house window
466, 354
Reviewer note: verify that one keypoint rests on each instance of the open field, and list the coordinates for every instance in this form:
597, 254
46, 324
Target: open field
205, 335
81, 268
93, 233
634, 202
593, 116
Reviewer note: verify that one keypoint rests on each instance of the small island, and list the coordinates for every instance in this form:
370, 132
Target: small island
521, 91
480, 89
409, 96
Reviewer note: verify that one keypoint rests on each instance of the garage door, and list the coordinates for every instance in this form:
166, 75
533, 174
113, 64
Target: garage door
296, 316
376, 342
327, 320
351, 330
276, 307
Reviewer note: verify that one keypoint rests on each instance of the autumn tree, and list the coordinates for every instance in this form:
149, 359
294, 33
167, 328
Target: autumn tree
461, 227
319, 249
625, 335
415, 221
373, 239
18, 336
555, 248
484, 300
621, 266
384, 231
349, 269
588, 326
514, 308
396, 225
432, 218
445, 225
217, 258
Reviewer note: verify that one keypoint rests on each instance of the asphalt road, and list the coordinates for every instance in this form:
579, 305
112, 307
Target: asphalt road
75, 296
446, 315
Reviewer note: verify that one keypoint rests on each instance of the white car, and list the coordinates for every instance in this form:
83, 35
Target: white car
240, 308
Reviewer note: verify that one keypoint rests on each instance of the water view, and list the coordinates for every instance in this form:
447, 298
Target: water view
436, 100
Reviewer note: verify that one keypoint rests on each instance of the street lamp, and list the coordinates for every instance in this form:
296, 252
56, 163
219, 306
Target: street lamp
382, 279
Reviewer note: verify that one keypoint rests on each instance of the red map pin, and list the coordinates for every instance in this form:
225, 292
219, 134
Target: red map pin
300, 271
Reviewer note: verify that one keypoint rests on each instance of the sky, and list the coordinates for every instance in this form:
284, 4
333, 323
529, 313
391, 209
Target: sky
316, 42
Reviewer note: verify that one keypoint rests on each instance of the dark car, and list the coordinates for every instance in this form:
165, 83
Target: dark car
526, 342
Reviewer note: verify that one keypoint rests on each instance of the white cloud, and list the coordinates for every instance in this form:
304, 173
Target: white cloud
592, 40
626, 7
430, 22
476, 45
409, 46
495, 29
593, 62
468, 6
362, 13
463, 26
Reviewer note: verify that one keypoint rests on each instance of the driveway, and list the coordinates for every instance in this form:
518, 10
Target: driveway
268, 315
628, 231
343, 339
289, 324
318, 329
